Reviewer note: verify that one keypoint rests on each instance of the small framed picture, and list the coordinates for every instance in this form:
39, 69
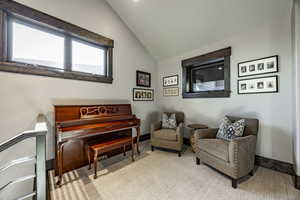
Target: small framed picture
143, 79
258, 85
258, 66
143, 94
171, 91
170, 81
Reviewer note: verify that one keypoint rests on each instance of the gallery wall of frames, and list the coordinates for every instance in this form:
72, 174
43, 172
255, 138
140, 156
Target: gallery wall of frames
143, 79
259, 81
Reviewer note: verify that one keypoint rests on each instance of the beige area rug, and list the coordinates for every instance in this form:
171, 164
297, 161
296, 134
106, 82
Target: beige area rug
162, 175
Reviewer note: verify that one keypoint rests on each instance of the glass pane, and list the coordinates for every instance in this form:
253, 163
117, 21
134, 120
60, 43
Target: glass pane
87, 58
208, 78
33, 46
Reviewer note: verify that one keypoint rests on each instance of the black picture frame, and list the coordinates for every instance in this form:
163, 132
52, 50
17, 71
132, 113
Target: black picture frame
168, 77
139, 81
276, 57
141, 98
259, 78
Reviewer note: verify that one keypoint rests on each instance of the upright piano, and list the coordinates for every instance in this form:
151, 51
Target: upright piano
77, 124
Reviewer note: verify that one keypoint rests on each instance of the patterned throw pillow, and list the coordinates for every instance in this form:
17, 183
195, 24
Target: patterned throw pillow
228, 130
169, 122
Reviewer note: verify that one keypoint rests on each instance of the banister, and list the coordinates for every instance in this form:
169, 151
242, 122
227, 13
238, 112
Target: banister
39, 132
18, 180
16, 162
40, 129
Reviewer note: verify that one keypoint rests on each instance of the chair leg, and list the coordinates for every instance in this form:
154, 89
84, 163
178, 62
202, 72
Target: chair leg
251, 173
179, 153
234, 183
152, 148
197, 161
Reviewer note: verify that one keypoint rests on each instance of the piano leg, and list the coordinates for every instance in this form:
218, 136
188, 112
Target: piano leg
138, 130
124, 150
60, 159
95, 163
132, 148
87, 150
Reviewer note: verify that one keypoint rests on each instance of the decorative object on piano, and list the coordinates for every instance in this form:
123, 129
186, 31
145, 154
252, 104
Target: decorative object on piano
171, 91
170, 80
143, 79
267, 84
258, 66
143, 94
97, 111
110, 126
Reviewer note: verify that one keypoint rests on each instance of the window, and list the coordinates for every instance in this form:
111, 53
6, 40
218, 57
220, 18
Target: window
32, 42
207, 76
33, 46
88, 58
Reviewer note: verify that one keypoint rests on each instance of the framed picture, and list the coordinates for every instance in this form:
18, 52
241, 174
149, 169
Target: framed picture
258, 66
171, 91
143, 94
258, 85
143, 79
170, 81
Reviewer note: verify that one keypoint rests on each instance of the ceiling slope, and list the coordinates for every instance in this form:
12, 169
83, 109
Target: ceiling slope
172, 27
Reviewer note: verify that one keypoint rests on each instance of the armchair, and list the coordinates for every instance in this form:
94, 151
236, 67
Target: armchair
234, 158
168, 138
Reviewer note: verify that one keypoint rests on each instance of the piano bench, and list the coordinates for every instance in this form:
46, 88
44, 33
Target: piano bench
106, 146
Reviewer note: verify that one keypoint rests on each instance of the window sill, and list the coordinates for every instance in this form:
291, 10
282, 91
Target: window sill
209, 94
51, 72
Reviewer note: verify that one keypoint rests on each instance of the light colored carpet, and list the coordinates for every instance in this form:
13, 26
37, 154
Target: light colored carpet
162, 175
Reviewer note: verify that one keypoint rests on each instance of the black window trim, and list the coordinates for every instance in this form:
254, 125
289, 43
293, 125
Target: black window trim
72, 32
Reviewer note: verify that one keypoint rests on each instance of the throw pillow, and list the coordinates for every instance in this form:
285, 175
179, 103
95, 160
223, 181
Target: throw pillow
169, 122
231, 130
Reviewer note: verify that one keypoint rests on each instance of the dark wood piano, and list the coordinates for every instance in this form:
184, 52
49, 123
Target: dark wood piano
77, 125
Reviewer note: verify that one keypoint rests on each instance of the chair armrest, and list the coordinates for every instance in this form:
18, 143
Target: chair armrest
155, 126
206, 133
179, 132
242, 153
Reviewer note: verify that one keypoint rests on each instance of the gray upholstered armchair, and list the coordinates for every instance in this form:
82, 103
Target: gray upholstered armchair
234, 158
168, 138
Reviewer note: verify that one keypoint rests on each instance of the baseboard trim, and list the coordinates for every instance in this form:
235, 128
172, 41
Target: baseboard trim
276, 165
50, 164
145, 137
297, 182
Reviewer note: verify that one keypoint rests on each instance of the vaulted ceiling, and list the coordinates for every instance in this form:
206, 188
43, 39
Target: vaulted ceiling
171, 27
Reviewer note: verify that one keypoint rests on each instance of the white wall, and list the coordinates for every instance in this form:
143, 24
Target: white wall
24, 96
273, 110
295, 19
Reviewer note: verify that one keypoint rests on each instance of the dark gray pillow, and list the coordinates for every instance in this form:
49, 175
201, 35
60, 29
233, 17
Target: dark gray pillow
228, 130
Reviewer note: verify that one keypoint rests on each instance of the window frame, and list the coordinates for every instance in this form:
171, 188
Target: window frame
222, 55
11, 11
